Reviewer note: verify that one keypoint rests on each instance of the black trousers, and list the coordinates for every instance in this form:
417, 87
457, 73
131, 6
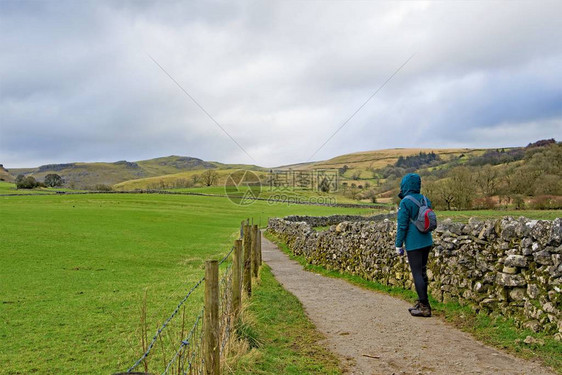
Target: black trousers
418, 264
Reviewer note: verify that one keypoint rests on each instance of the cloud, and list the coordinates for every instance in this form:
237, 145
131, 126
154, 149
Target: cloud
76, 82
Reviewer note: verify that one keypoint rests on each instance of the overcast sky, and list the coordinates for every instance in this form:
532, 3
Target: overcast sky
77, 82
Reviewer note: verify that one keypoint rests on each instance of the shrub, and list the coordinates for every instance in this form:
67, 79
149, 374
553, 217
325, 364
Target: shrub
343, 169
546, 202
488, 203
369, 194
519, 202
53, 180
26, 182
103, 187
183, 183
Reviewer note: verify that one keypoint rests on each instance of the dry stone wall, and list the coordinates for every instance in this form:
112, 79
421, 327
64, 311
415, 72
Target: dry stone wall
510, 266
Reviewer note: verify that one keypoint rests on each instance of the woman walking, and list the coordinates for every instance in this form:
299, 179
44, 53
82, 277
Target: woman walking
417, 244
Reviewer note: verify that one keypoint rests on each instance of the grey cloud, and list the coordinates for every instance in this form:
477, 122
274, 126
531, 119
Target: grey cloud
76, 82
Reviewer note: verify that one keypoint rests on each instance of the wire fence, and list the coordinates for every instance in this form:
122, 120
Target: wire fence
183, 343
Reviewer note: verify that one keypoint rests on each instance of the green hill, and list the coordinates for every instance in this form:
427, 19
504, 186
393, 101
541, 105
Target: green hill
83, 175
5, 175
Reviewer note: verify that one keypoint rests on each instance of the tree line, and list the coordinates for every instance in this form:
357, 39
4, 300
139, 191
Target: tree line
29, 182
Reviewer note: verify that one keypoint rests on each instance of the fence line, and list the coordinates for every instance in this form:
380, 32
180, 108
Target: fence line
165, 324
202, 348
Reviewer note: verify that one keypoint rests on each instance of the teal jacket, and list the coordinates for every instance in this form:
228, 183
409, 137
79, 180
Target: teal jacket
406, 231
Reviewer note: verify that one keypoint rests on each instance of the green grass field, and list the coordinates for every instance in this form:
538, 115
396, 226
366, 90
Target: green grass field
75, 270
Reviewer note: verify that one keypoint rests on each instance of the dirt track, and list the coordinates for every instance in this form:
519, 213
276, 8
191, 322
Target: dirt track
374, 333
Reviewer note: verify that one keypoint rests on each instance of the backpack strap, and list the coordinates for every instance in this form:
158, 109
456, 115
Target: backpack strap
409, 197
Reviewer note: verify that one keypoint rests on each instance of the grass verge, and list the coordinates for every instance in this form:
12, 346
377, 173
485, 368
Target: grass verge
287, 341
496, 331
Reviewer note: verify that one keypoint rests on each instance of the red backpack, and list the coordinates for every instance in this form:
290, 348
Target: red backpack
426, 220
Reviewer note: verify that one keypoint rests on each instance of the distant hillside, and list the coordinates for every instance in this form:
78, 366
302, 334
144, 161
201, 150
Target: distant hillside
365, 161
188, 179
463, 178
81, 175
5, 175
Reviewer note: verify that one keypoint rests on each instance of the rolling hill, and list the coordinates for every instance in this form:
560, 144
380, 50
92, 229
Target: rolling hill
83, 175
491, 177
365, 161
5, 175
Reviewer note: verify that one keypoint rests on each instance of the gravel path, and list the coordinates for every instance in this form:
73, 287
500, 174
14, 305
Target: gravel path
374, 333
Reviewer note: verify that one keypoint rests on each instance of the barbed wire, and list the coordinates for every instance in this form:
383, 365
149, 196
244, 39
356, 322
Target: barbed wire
226, 256
191, 360
159, 331
186, 342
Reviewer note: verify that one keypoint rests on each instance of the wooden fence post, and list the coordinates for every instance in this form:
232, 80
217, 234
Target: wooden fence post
236, 278
255, 259
259, 248
211, 339
247, 273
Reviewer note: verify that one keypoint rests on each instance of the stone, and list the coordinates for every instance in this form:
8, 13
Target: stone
430, 275
533, 325
532, 291
535, 247
486, 302
558, 336
527, 251
541, 231
526, 242
480, 288
516, 261
543, 257
549, 308
530, 340
517, 294
510, 270
556, 232
508, 228
510, 280
556, 259
555, 272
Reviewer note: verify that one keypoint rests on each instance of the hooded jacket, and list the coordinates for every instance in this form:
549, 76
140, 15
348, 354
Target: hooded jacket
406, 231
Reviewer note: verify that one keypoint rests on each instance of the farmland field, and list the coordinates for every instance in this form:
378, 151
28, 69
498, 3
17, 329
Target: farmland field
75, 270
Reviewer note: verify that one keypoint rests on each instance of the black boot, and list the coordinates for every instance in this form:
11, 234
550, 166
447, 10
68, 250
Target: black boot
423, 310
415, 307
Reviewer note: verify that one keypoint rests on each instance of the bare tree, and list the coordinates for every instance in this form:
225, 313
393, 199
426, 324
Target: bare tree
487, 180
462, 187
209, 177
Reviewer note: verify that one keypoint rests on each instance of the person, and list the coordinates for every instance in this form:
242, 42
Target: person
417, 244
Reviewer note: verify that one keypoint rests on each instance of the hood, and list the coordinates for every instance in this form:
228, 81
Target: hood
411, 184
